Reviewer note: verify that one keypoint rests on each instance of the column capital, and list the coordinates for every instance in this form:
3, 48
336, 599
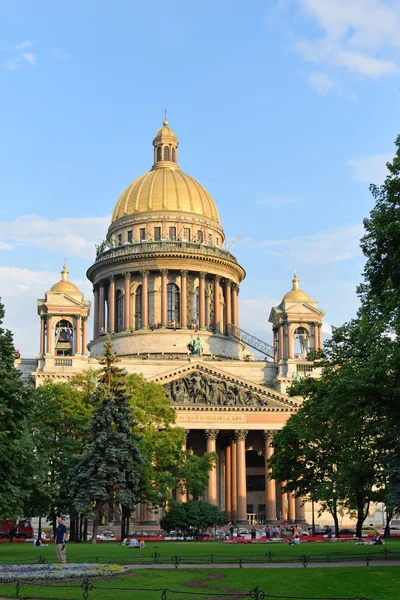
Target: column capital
164, 272
268, 434
184, 273
217, 278
241, 434
211, 434
202, 275
112, 279
101, 283
127, 275
145, 273
95, 289
235, 287
84, 317
228, 283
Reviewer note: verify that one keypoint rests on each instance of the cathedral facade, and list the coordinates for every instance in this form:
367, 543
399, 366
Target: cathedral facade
166, 290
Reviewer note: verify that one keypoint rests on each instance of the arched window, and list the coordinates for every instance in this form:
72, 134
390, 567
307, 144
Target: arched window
173, 155
138, 308
63, 338
173, 303
159, 155
301, 342
119, 313
166, 153
200, 236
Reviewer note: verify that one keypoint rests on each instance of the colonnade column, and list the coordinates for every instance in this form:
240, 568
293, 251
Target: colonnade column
217, 304
284, 501
300, 511
84, 335
235, 305
78, 330
281, 344
270, 485
292, 507
234, 480
202, 300
228, 483
290, 340
182, 496
50, 337
102, 312
145, 299
42, 348
127, 303
164, 283
321, 343
111, 305
96, 312
184, 317
276, 344
211, 435
241, 476
228, 304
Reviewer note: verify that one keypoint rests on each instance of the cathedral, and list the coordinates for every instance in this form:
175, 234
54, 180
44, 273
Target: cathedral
166, 290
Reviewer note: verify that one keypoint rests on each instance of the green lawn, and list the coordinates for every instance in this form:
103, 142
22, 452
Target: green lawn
196, 552
367, 582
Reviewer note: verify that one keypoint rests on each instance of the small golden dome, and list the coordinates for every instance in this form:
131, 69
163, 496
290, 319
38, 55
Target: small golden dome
64, 285
296, 293
165, 189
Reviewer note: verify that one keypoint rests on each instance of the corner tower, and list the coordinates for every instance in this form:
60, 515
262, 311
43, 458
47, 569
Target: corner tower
162, 276
297, 329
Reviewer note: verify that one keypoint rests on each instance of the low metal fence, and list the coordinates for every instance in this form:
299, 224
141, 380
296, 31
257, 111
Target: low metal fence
89, 591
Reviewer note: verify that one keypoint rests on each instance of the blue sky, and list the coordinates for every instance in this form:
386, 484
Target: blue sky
285, 112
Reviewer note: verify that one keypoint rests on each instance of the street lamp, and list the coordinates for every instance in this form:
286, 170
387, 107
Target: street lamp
313, 514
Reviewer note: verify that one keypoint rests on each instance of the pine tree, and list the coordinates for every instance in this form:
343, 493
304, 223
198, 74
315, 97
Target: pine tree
16, 448
108, 471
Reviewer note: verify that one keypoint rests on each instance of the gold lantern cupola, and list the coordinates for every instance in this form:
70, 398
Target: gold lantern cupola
295, 293
165, 147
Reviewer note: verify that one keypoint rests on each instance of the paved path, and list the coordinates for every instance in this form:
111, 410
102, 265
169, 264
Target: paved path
299, 565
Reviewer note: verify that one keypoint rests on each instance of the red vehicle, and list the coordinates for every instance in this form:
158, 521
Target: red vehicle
11, 529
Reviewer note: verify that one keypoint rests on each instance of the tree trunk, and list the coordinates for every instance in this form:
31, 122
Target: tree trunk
40, 529
336, 521
85, 530
96, 521
389, 515
72, 527
361, 514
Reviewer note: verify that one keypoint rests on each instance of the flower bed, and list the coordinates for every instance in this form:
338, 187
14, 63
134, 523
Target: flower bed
52, 572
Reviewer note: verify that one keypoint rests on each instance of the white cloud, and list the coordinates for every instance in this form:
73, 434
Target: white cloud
72, 236
20, 57
4, 246
370, 169
362, 36
23, 45
319, 248
322, 83
29, 58
13, 64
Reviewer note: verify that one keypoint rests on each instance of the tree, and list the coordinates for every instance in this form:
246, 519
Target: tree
17, 464
193, 518
108, 470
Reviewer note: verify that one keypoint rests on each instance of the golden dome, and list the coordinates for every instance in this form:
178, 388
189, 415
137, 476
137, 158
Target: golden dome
296, 293
64, 285
165, 188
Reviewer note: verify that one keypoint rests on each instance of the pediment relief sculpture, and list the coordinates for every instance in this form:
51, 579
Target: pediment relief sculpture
200, 389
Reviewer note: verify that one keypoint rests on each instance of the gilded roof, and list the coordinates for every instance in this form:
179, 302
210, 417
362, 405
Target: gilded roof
165, 189
64, 285
296, 293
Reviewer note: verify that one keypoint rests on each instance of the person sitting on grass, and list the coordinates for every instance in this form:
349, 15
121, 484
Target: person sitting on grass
295, 541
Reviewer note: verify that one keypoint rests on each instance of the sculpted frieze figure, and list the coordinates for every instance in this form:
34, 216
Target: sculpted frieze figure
201, 389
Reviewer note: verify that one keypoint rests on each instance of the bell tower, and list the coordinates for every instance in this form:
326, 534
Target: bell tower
63, 328
297, 329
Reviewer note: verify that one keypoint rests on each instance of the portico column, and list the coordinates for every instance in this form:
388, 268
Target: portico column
235, 316
228, 481
78, 333
290, 340
164, 283
182, 496
284, 501
228, 304
202, 300
217, 305
96, 312
281, 342
321, 343
276, 344
42, 334
127, 303
270, 485
145, 299
211, 435
111, 305
241, 477
292, 507
102, 314
184, 317
50, 336
300, 512
84, 336
234, 480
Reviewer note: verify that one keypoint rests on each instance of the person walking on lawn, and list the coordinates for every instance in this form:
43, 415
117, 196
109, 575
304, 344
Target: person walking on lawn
61, 540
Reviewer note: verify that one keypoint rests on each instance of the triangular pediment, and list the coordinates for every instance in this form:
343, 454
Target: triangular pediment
198, 385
